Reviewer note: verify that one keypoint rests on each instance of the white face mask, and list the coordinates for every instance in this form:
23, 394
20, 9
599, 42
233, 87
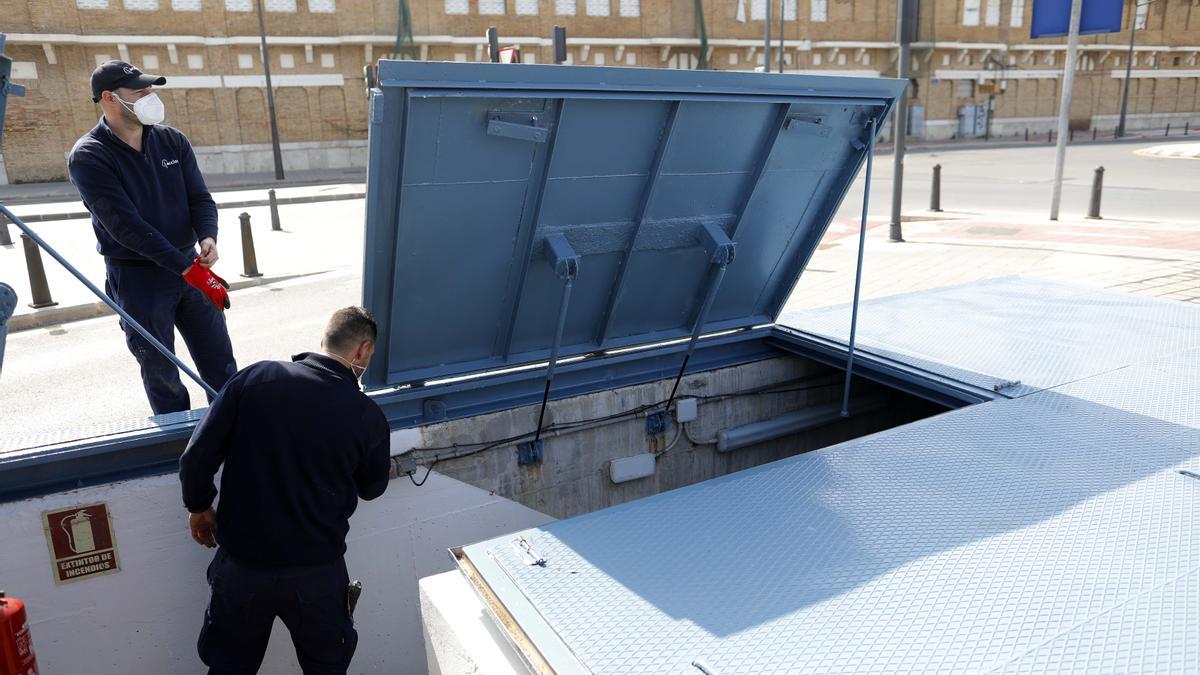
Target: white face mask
149, 109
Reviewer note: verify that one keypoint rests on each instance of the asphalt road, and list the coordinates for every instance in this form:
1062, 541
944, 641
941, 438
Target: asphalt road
80, 374
1019, 180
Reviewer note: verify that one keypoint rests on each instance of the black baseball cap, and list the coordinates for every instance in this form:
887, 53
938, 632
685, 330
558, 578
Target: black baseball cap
116, 74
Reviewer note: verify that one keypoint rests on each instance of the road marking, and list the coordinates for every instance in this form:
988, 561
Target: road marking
1098, 234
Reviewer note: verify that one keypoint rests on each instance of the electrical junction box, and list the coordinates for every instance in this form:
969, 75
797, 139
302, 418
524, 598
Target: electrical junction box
685, 410
631, 468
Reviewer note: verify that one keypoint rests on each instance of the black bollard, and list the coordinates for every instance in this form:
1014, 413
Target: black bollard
39, 288
1050, 136
5, 237
1070, 135
1185, 128
1097, 185
274, 211
1168, 133
249, 261
1026, 134
935, 196
1093, 133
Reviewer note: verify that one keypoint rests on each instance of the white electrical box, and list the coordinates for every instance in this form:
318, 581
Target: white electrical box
631, 468
685, 410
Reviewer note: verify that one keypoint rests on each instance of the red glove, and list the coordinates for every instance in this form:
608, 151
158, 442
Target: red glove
212, 286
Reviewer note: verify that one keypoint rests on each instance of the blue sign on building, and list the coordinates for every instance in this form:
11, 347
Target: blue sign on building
1051, 18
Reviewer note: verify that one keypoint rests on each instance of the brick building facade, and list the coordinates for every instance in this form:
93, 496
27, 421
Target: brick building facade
208, 50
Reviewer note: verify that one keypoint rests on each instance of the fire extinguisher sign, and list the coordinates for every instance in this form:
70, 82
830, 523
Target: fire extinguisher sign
81, 542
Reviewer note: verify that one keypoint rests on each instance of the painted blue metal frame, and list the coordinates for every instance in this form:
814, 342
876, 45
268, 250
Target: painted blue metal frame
627, 195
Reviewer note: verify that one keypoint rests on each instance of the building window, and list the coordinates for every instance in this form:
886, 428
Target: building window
185, 5
841, 59
564, 7
245, 60
1018, 14
527, 7
238, 5
631, 7
141, 5
322, 6
816, 59
327, 60
970, 15
287, 61
630, 59
458, 7
102, 59
733, 58
819, 10
150, 62
993, 13
597, 7
789, 10
599, 58
1143, 10
460, 57
280, 6
758, 10
491, 7
24, 70
529, 57
195, 61
91, 4
866, 59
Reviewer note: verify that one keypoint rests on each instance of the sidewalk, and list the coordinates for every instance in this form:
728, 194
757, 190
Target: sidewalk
321, 231
63, 191
1149, 259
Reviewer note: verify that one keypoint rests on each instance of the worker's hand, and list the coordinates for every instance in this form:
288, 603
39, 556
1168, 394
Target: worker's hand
204, 528
212, 286
208, 252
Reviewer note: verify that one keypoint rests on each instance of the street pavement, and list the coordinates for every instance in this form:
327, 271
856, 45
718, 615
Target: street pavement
78, 374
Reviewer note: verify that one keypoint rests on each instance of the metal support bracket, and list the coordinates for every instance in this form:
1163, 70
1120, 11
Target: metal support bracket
562, 257
518, 125
808, 124
721, 249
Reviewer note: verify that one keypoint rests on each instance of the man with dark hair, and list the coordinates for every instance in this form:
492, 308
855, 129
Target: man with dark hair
301, 443
150, 208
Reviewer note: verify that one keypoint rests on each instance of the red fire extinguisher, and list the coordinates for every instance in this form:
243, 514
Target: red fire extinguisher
16, 647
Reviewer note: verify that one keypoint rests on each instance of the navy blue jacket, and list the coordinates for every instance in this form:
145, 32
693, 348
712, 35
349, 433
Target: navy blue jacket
148, 206
301, 444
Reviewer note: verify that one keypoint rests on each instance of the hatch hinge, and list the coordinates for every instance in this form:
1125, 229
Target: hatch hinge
809, 124
565, 262
522, 126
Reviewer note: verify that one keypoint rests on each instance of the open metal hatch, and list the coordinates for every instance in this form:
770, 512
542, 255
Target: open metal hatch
512, 209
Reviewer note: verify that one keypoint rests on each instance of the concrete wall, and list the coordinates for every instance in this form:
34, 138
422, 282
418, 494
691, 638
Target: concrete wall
144, 620
574, 476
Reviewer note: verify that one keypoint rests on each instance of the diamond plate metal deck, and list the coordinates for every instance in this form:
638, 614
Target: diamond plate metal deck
1050, 532
1036, 332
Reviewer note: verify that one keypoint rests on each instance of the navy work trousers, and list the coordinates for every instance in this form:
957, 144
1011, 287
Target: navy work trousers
162, 301
245, 600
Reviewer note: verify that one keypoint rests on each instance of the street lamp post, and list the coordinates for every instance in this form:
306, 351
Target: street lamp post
266, 59
1129, 67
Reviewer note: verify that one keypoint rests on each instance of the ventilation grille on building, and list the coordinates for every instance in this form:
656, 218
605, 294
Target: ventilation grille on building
527, 7
185, 5
91, 4
141, 5
322, 6
458, 6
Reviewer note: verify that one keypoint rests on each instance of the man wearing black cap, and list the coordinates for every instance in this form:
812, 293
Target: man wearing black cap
150, 207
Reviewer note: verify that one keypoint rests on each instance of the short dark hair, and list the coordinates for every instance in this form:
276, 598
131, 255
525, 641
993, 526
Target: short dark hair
348, 327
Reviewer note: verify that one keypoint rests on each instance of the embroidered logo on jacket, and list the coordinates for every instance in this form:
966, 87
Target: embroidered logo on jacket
169, 162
